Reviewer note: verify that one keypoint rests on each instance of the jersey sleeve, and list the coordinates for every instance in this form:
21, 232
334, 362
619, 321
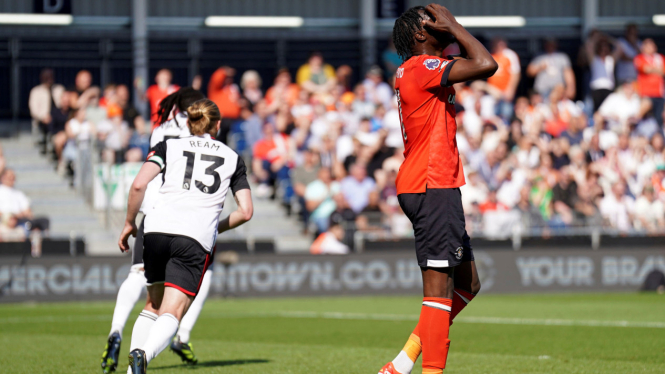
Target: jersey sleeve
239, 177
433, 73
158, 155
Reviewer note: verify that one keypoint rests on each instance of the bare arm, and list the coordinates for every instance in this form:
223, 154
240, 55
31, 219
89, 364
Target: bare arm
533, 69
569, 79
478, 63
148, 172
241, 215
512, 86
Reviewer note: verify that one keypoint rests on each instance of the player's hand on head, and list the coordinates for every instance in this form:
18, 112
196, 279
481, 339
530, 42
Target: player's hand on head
443, 19
123, 242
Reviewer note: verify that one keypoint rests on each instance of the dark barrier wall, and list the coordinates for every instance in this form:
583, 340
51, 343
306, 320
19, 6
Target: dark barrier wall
391, 272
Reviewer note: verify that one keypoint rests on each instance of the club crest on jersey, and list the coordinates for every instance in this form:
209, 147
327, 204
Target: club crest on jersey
459, 252
399, 73
432, 63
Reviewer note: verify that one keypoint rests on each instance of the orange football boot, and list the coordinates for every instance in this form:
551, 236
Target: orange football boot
389, 369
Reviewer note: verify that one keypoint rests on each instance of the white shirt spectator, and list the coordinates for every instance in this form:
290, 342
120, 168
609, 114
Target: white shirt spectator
618, 108
602, 73
12, 201
392, 125
651, 212
617, 211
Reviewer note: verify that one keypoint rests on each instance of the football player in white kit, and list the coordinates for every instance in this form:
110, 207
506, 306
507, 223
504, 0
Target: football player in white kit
173, 118
181, 228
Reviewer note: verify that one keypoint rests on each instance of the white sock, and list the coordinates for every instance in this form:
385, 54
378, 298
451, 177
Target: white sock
403, 363
189, 320
160, 336
141, 330
128, 295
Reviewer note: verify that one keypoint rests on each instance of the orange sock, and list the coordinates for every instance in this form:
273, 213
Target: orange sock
460, 299
413, 346
434, 325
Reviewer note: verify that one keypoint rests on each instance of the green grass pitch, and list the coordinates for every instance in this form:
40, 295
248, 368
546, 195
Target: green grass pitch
589, 333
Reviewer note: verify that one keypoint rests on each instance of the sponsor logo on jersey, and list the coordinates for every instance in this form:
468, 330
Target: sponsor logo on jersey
451, 99
459, 252
150, 155
432, 63
399, 73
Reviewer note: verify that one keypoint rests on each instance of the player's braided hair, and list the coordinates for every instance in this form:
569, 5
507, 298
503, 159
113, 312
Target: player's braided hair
405, 27
180, 99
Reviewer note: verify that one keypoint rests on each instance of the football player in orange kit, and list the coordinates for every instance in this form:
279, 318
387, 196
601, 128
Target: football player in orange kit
429, 179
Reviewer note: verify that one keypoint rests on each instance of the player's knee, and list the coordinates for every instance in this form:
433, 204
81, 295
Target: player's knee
475, 287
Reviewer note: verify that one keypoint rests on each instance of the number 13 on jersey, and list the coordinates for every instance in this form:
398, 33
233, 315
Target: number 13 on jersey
217, 161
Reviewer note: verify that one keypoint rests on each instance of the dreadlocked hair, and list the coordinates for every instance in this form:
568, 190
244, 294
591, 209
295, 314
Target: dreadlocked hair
180, 100
405, 27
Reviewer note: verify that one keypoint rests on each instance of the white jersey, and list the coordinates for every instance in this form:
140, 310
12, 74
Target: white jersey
171, 129
197, 173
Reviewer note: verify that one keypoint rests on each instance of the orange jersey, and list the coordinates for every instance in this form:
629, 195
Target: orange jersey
155, 95
509, 64
649, 84
427, 113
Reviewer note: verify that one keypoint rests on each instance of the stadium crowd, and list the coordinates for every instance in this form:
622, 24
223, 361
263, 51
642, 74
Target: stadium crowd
329, 149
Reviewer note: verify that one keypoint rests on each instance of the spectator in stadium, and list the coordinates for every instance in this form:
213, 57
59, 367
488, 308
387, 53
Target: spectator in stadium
129, 112
357, 187
226, 94
601, 63
283, 90
319, 200
650, 67
250, 83
302, 175
344, 75
108, 95
272, 161
316, 76
622, 108
83, 89
649, 212
564, 196
376, 90
330, 242
550, 69
59, 117
40, 102
114, 134
15, 206
506, 78
616, 207
628, 47
558, 111
391, 60
79, 132
158, 91
94, 111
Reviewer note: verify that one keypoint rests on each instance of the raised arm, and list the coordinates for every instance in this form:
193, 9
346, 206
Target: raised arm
148, 172
478, 63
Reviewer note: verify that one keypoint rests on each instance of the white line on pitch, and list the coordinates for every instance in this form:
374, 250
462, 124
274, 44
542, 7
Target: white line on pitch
483, 320
361, 316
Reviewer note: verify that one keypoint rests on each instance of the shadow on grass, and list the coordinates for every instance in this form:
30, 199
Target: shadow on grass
208, 364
